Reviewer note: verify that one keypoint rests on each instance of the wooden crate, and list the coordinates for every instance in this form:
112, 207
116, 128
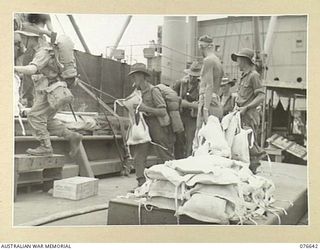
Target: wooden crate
289, 146
75, 188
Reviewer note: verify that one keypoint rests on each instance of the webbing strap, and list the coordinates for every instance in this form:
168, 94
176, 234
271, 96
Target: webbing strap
21, 124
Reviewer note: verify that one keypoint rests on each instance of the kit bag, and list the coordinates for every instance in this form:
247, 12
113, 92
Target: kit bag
240, 146
138, 131
173, 102
59, 95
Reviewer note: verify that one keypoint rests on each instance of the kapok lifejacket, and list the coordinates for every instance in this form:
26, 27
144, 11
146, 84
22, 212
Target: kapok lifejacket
63, 50
58, 92
173, 102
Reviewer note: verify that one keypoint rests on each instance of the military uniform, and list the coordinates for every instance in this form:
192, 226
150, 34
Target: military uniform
41, 116
249, 87
160, 132
190, 93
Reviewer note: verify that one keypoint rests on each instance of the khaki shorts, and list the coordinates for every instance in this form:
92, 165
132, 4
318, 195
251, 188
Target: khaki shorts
215, 109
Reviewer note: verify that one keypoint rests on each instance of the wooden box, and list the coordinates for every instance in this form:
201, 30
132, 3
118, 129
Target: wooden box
75, 188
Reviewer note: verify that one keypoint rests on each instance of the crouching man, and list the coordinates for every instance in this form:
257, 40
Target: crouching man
250, 96
157, 119
45, 72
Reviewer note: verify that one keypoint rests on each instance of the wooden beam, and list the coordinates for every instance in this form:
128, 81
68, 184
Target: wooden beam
83, 162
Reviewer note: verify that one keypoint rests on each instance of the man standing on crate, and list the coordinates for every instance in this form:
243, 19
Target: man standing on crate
157, 118
45, 72
188, 89
250, 96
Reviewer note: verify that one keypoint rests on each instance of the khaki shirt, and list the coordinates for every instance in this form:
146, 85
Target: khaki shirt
249, 87
46, 64
152, 97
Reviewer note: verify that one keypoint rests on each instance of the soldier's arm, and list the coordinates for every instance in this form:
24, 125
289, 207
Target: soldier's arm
259, 98
207, 78
186, 104
255, 82
27, 70
158, 101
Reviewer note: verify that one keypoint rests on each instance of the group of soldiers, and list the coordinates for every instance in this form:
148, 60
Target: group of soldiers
204, 91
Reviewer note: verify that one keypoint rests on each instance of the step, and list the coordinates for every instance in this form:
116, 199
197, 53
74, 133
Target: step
290, 181
44, 186
102, 167
111, 166
105, 130
39, 175
21, 138
25, 163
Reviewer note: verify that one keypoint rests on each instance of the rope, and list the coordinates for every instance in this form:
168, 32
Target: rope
60, 24
139, 212
99, 91
65, 214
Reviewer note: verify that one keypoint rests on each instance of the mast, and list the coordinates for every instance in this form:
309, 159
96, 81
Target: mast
77, 30
124, 27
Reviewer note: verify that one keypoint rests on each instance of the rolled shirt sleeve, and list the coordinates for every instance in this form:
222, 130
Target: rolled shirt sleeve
157, 98
255, 82
41, 59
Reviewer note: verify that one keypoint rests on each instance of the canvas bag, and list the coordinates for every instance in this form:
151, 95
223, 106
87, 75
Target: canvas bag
240, 146
138, 131
229, 125
206, 208
59, 95
211, 136
162, 172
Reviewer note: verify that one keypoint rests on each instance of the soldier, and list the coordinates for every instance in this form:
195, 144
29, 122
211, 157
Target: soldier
34, 23
211, 76
250, 96
44, 71
157, 119
188, 89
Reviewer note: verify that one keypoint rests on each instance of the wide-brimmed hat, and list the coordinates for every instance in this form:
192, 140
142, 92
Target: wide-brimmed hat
26, 33
139, 67
247, 53
226, 81
205, 39
194, 70
28, 30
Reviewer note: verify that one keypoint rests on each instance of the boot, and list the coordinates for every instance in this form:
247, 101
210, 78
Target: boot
45, 149
141, 181
74, 139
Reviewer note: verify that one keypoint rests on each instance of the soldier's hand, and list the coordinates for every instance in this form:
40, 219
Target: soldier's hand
184, 103
142, 107
242, 110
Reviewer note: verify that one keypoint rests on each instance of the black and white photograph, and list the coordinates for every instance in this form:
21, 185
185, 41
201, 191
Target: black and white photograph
144, 119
